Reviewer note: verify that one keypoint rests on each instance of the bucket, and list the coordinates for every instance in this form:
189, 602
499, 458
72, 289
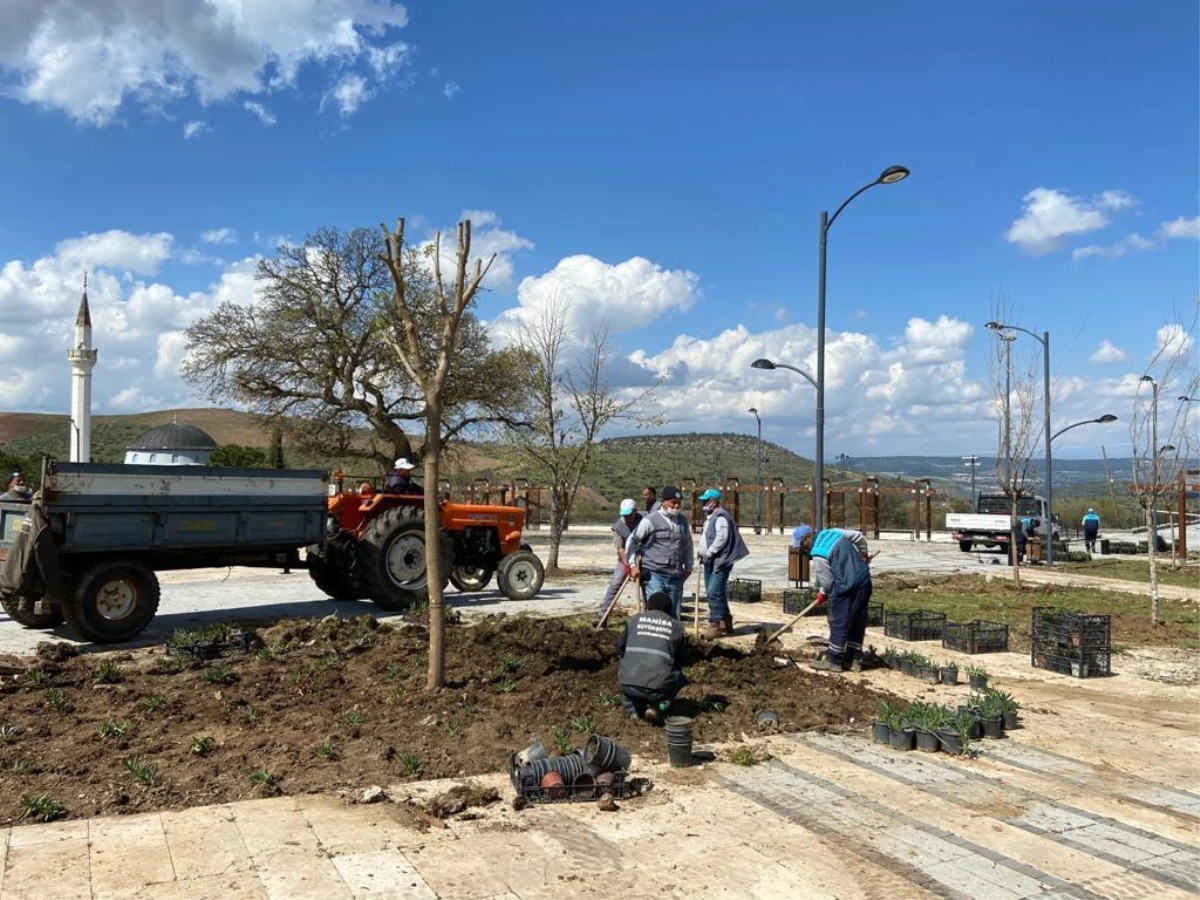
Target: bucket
535, 769
584, 785
569, 767
679, 740
534, 751
606, 755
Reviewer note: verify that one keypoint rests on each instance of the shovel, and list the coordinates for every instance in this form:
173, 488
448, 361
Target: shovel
762, 641
613, 605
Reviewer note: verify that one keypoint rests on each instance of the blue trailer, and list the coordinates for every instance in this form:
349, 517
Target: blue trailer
87, 547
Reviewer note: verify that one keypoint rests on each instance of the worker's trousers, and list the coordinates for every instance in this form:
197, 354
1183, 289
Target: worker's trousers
614, 585
848, 624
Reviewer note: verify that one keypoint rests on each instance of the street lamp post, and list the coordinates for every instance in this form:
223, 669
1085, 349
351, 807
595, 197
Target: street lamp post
973, 462
890, 175
1044, 340
769, 364
758, 496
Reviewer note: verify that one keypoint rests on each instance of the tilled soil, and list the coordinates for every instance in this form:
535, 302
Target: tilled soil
340, 704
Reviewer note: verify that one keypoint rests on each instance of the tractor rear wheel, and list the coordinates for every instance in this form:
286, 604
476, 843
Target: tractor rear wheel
521, 575
328, 575
391, 559
470, 579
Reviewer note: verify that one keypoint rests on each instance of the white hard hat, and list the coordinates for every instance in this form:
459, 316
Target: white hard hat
403, 463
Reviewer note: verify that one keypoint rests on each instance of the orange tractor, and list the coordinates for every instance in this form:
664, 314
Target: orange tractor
375, 548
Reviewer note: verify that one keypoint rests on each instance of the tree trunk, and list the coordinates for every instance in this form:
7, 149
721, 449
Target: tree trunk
1013, 543
433, 551
558, 521
1151, 548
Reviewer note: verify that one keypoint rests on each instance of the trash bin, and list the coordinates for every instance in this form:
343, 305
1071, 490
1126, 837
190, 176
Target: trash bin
1104, 547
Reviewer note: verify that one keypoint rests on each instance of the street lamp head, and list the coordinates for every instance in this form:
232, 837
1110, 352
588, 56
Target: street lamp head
993, 326
1186, 399
1106, 418
1149, 378
752, 410
1166, 448
762, 364
892, 174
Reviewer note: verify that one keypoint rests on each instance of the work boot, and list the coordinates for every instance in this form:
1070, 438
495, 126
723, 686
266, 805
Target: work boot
716, 630
856, 665
729, 624
825, 664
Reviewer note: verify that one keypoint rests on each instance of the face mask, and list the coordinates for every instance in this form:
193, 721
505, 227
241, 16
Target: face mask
669, 511
710, 509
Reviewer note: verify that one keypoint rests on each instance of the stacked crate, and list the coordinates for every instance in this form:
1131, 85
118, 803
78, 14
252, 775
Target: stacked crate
1071, 643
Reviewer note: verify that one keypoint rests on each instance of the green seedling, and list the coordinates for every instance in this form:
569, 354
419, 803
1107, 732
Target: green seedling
582, 724
22, 765
57, 700
8, 733
507, 686
203, 745
250, 716
220, 674
326, 750
509, 664
453, 729
36, 676
111, 729
562, 739
411, 763
606, 699
261, 778
354, 718
394, 671
108, 672
141, 770
154, 702
42, 807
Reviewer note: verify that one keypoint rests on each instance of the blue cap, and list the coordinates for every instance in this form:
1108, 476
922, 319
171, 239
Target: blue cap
800, 533
710, 494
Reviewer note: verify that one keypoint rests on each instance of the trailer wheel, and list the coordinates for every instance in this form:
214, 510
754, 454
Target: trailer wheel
328, 575
115, 600
469, 579
391, 559
25, 616
521, 575
965, 546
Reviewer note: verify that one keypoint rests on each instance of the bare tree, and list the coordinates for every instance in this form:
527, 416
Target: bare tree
1015, 384
1160, 442
571, 405
314, 354
429, 357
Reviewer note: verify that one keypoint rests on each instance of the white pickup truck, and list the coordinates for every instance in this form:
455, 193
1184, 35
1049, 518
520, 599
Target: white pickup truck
990, 524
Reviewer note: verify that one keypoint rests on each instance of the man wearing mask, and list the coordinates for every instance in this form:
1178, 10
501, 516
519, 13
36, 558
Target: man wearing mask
662, 546
621, 529
841, 572
721, 546
18, 490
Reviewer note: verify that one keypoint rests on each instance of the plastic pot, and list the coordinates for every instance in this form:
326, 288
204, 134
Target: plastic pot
569, 767
928, 741
1009, 718
902, 739
951, 742
678, 730
607, 755
908, 667
584, 785
929, 676
993, 727
977, 682
552, 784
881, 732
534, 751
948, 675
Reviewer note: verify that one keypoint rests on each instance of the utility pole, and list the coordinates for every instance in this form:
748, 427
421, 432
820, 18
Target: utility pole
973, 462
758, 496
1112, 495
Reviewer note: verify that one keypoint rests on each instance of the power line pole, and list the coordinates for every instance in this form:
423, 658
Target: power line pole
973, 462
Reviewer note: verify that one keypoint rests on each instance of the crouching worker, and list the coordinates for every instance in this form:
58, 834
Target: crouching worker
651, 649
842, 576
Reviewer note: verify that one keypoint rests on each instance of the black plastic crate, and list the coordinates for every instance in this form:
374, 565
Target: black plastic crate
976, 636
1051, 625
1080, 662
918, 625
744, 590
875, 614
528, 788
794, 602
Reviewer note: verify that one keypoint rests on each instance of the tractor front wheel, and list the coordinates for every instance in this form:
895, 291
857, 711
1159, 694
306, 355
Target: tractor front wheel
471, 579
520, 575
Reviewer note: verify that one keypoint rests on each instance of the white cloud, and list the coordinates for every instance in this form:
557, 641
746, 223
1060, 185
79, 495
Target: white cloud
451, 89
89, 59
624, 297
1171, 340
1050, 215
349, 94
264, 115
139, 253
138, 322
1107, 352
1181, 228
218, 236
194, 127
860, 314
1130, 243
781, 313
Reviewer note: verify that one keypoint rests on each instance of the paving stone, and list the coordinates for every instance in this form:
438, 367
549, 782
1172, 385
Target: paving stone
205, 841
41, 869
382, 875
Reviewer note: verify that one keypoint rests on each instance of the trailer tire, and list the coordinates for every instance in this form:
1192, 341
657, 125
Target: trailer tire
965, 546
328, 576
391, 559
27, 618
114, 601
521, 575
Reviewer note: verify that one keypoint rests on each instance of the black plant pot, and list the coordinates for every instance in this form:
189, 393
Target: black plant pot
881, 732
928, 741
907, 667
977, 682
893, 664
1009, 718
902, 739
951, 743
929, 676
948, 675
993, 727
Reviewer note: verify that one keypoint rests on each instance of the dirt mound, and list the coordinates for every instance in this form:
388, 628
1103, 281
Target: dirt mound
340, 703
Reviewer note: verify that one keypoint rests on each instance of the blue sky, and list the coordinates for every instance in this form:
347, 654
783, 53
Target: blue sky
662, 165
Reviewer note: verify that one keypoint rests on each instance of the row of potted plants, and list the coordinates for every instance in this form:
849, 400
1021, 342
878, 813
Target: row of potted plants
933, 727
909, 662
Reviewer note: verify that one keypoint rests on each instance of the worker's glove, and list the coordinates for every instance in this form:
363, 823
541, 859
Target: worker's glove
866, 557
820, 597
628, 570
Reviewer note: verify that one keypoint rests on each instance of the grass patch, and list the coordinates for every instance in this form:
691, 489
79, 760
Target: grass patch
749, 756
1137, 570
42, 807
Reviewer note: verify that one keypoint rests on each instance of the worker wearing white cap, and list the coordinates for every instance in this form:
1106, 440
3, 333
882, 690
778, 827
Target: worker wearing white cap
621, 529
400, 481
